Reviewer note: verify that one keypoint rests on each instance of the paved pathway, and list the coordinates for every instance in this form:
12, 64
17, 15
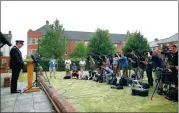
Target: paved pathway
26, 102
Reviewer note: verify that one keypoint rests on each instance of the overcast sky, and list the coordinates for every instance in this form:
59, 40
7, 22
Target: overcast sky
154, 19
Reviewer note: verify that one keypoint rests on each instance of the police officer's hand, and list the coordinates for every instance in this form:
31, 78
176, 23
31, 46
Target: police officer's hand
177, 67
25, 63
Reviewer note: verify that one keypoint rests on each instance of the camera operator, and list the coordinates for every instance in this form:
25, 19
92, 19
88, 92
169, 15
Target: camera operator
135, 63
142, 66
174, 64
148, 62
157, 63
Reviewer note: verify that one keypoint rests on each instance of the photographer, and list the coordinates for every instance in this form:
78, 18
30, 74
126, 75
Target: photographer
157, 63
135, 63
148, 62
142, 66
174, 64
124, 65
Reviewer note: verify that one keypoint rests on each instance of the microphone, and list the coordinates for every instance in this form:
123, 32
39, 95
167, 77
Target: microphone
34, 59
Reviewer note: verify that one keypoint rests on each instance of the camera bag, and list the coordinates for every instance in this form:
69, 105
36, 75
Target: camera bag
113, 81
140, 92
172, 94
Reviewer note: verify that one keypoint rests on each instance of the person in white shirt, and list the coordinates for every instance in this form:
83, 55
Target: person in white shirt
82, 64
67, 63
81, 74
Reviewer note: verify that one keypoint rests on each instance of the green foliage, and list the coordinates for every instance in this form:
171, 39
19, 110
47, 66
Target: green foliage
100, 43
80, 50
136, 42
54, 42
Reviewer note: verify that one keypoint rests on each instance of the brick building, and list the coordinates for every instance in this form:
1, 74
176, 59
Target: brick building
4, 54
158, 44
73, 38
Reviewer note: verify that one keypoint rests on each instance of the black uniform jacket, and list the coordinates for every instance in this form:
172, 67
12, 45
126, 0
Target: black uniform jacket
16, 61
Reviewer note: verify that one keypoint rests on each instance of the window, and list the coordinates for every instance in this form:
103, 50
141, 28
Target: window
3, 61
86, 43
36, 40
115, 45
30, 52
29, 40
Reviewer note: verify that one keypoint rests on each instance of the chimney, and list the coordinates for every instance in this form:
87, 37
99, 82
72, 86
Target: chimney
10, 35
9, 32
47, 22
156, 39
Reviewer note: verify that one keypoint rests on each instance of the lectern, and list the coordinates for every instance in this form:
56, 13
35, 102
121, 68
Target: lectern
30, 71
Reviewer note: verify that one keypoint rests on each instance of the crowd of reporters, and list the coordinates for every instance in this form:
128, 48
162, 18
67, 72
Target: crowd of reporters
120, 65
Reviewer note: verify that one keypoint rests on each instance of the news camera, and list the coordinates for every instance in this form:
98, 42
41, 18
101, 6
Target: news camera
167, 53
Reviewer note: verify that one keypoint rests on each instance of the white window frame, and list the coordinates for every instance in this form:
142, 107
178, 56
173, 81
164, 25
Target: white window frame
30, 41
36, 40
3, 61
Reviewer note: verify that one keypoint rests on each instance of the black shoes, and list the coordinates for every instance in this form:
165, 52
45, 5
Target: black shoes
17, 91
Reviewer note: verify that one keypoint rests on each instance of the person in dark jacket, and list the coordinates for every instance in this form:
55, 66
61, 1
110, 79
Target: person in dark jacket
16, 64
174, 65
157, 63
148, 63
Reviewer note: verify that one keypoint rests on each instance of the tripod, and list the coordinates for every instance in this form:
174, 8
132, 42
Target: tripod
161, 80
156, 86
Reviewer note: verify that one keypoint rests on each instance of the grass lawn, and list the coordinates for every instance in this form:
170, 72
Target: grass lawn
90, 96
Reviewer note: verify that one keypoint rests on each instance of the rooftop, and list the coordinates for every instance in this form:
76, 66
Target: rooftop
81, 35
173, 38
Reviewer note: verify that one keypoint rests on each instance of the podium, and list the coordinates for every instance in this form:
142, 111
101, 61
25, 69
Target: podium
30, 71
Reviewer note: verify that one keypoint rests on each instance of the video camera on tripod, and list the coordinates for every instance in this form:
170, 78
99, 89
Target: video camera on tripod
167, 53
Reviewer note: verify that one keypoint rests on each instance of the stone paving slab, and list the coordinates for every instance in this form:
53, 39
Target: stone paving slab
25, 102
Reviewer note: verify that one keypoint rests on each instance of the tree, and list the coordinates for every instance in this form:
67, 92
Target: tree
80, 50
54, 42
100, 43
136, 42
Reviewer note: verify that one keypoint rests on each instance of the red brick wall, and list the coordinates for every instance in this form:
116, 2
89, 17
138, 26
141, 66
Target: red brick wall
33, 35
70, 47
120, 46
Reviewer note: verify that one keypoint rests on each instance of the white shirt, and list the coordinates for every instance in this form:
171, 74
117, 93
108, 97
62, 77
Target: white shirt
67, 62
82, 63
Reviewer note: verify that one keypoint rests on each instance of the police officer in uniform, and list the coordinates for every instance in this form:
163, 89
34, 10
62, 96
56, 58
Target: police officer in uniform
16, 64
